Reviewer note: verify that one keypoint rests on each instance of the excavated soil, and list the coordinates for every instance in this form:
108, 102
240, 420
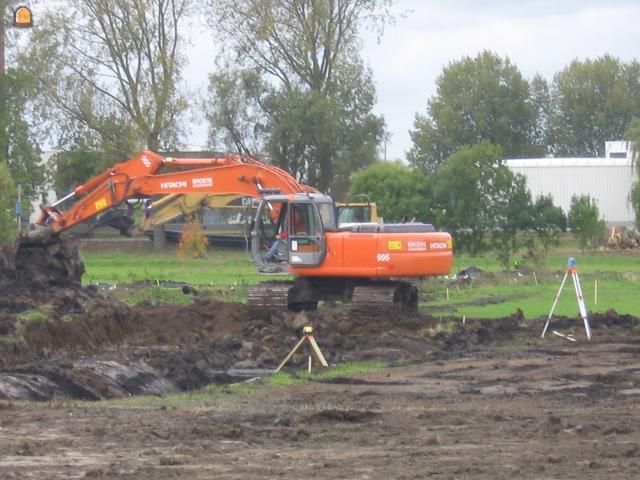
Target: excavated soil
483, 399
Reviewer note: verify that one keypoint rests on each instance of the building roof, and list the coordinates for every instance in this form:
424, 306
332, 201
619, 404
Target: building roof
568, 162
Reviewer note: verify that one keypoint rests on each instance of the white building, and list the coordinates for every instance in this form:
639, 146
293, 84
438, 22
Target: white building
608, 180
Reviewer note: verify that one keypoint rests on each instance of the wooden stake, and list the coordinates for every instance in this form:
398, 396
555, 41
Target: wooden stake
596, 293
447, 293
535, 278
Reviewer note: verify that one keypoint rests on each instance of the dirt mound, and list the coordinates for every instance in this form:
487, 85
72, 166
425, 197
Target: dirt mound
167, 348
39, 260
73, 341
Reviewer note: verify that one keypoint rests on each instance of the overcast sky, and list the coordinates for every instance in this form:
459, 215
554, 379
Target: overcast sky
539, 36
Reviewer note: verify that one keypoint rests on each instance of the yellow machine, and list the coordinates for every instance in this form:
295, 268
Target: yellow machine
225, 218
357, 212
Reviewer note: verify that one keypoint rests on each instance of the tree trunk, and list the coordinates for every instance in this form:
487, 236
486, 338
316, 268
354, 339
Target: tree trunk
159, 237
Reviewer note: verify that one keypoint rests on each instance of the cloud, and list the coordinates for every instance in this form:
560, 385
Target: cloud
538, 36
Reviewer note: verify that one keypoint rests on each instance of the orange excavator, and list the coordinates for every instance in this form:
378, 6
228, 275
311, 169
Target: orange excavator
367, 264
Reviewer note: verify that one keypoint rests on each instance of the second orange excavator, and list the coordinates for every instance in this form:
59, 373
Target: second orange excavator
367, 264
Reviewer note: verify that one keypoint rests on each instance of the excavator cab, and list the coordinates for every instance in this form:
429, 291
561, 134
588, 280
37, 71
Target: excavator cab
299, 225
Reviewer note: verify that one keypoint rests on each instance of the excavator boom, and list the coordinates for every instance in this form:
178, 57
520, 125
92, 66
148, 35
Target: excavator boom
139, 177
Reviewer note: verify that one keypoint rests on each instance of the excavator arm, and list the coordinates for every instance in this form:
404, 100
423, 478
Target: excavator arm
174, 206
139, 177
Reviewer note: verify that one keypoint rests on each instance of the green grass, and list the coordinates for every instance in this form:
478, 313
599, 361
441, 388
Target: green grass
157, 295
33, 316
222, 267
615, 291
347, 370
227, 274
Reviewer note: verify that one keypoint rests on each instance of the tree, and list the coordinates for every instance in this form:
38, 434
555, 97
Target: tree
478, 99
109, 67
7, 202
591, 102
84, 153
548, 221
73, 168
317, 95
634, 197
235, 111
20, 149
512, 213
541, 101
466, 189
584, 220
633, 134
399, 191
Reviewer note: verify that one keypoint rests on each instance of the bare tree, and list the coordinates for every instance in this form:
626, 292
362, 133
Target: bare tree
112, 67
318, 93
299, 42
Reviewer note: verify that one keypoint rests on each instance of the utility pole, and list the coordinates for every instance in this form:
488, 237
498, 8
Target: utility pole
19, 209
3, 12
4, 141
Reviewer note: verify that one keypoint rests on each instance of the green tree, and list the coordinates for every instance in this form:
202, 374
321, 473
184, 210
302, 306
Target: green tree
484, 98
591, 102
541, 102
85, 153
512, 212
633, 134
7, 203
111, 67
584, 221
73, 168
20, 149
235, 110
399, 191
466, 189
634, 197
548, 222
314, 106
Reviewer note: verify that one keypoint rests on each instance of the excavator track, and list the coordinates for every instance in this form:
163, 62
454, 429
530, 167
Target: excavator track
398, 295
269, 296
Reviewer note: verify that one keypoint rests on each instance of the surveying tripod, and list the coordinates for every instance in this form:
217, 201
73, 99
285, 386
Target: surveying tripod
571, 269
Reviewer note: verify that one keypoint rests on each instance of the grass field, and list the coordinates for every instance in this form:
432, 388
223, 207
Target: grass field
228, 273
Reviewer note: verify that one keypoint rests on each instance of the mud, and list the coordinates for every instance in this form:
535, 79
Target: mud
481, 399
168, 348
40, 259
527, 409
83, 345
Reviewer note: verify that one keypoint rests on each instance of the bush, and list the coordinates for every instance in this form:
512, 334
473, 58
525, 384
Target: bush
193, 241
585, 222
7, 203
